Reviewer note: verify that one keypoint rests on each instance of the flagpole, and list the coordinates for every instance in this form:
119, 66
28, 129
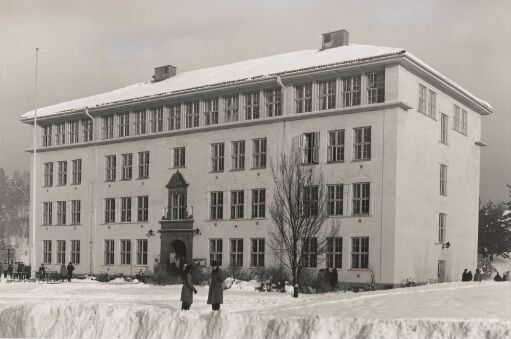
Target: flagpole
34, 174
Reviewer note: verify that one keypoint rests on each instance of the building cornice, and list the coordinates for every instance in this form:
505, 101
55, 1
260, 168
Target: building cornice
229, 125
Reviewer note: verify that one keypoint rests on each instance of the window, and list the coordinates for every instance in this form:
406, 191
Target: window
311, 200
143, 165
303, 98
423, 92
335, 151
109, 210
48, 174
443, 179
335, 199
177, 206
87, 130
273, 102
376, 87
140, 122
215, 251
464, 117
252, 106
442, 223
156, 119
236, 253
237, 204
216, 205
257, 252
217, 157
192, 114
73, 132
238, 155
457, 119
108, 127
75, 251
125, 252
432, 104
326, 95
47, 136
258, 203
310, 252
75, 211
47, 213
444, 125
351, 91
77, 171
109, 252
179, 157
334, 252
259, 153
142, 208
61, 212
362, 145
126, 209
360, 253
47, 251
211, 112
361, 196
62, 173
60, 136
142, 252
61, 251
231, 108
127, 166
123, 124
175, 117
110, 168
310, 148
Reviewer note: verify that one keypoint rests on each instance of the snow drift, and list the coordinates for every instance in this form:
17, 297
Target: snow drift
94, 320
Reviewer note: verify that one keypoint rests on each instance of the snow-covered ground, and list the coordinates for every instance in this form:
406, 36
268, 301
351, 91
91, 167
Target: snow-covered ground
88, 309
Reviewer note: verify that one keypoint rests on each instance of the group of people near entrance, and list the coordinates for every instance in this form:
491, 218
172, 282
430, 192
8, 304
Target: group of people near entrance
15, 270
65, 272
216, 291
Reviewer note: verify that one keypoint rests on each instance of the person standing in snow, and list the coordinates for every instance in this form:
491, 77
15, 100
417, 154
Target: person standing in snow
63, 271
469, 276
216, 292
5, 267
70, 269
334, 278
505, 276
464, 275
188, 288
478, 276
497, 277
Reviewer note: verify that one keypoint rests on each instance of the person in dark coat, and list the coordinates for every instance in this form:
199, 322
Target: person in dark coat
464, 275
216, 292
70, 269
478, 276
505, 276
334, 278
5, 267
10, 270
497, 277
63, 272
42, 270
186, 291
469, 276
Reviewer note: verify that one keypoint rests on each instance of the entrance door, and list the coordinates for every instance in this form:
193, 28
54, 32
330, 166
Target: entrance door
179, 248
441, 271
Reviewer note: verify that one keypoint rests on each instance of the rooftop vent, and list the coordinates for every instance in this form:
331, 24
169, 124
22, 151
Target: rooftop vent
335, 39
164, 72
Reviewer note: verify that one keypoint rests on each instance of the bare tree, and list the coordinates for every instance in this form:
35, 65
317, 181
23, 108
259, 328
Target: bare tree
298, 212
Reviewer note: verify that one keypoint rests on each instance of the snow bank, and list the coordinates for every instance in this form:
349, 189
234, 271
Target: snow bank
95, 320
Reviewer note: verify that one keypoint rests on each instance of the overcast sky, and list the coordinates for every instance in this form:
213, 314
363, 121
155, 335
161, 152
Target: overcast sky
89, 47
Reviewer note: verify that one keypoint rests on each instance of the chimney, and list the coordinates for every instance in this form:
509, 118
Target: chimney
164, 72
335, 39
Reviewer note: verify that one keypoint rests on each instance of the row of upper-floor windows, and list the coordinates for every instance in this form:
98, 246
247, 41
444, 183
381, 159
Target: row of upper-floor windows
63, 209
62, 173
311, 96
427, 105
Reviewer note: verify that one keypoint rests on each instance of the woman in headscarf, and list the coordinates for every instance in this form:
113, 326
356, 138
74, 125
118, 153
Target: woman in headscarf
186, 291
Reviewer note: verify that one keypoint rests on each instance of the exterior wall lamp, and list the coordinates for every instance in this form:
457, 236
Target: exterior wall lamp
446, 245
150, 233
197, 231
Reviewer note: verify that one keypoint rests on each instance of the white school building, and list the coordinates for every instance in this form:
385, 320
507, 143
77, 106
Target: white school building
180, 165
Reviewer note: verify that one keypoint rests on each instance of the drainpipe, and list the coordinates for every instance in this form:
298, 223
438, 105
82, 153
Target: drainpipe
93, 197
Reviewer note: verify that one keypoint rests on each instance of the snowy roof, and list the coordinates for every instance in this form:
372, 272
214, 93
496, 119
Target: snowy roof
236, 72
